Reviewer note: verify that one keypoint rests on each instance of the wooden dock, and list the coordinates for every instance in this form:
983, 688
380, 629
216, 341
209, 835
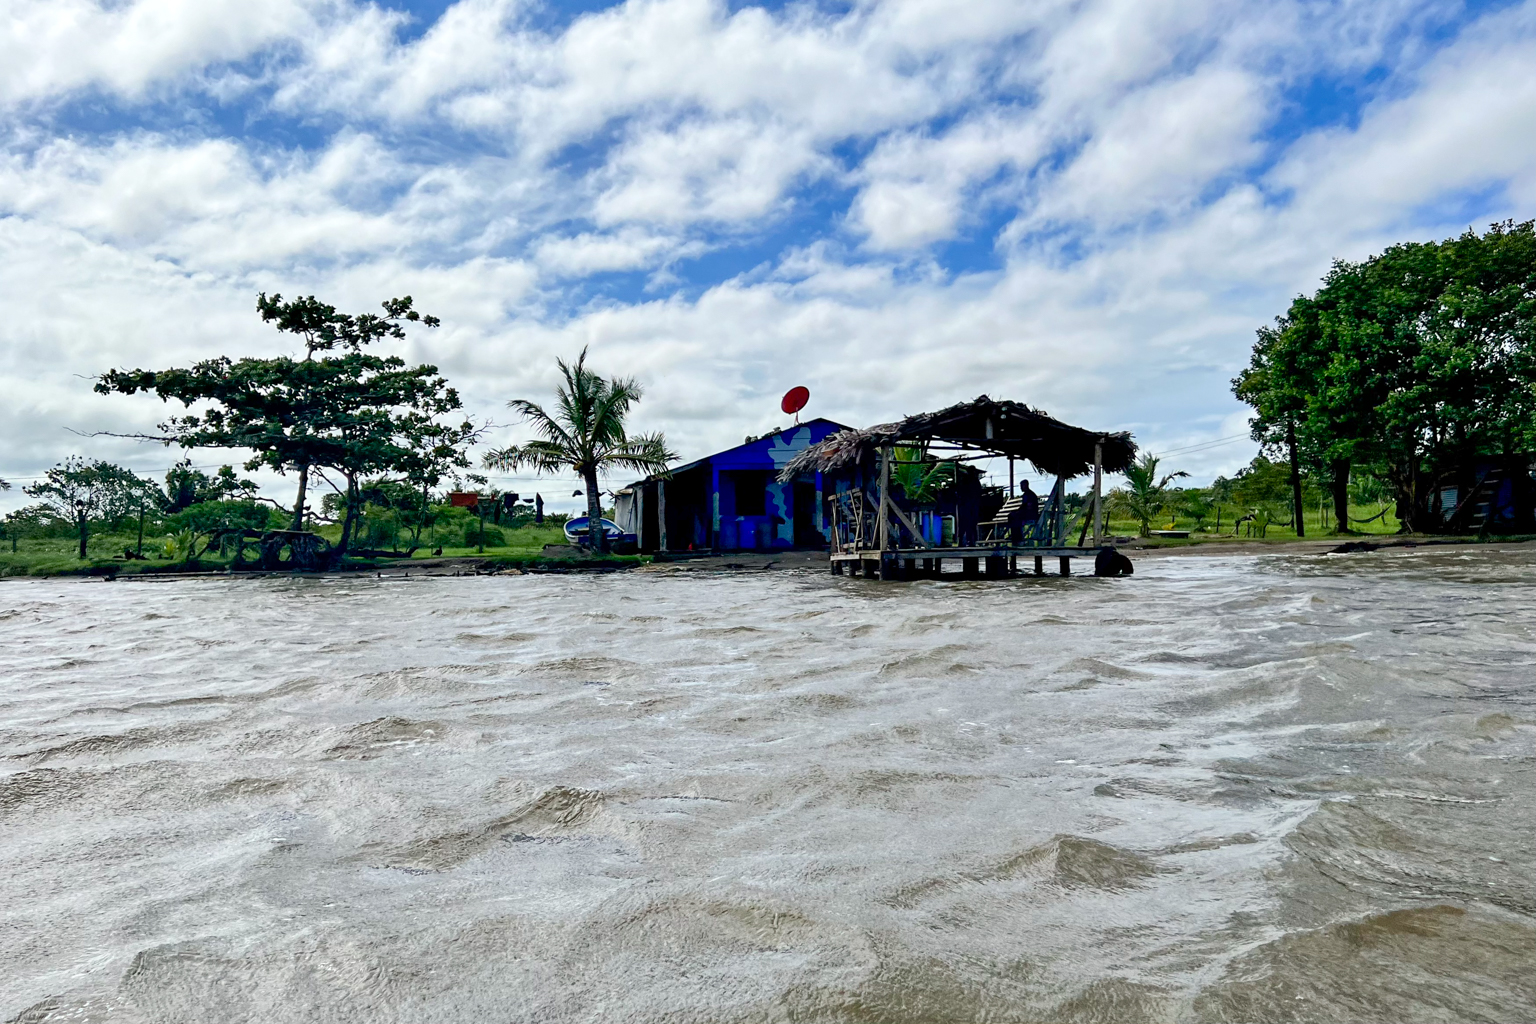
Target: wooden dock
988, 562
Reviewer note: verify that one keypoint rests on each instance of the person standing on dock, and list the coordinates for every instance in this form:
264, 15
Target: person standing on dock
1027, 513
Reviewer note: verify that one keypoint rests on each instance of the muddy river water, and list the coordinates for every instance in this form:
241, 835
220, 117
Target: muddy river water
1231, 788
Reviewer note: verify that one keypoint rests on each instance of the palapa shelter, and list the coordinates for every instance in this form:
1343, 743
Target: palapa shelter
903, 493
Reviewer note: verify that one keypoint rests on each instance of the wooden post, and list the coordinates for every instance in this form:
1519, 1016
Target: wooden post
1010, 476
969, 567
1060, 529
883, 528
661, 515
1039, 565
1098, 463
1066, 565
639, 515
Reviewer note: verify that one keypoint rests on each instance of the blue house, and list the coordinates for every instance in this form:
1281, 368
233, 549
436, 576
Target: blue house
732, 500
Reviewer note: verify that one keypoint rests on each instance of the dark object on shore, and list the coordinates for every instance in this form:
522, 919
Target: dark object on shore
1109, 562
1353, 546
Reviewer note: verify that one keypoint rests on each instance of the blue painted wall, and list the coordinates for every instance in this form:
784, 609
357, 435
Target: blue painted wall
751, 510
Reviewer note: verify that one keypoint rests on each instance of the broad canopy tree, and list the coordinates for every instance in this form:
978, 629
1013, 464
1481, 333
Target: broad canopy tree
339, 408
1412, 363
82, 491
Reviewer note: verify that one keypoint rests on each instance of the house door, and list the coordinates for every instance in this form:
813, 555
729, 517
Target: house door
804, 498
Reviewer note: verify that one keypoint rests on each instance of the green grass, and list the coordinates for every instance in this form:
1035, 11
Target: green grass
56, 556
1319, 527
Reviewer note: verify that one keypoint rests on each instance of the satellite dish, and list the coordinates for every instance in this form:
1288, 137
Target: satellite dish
794, 400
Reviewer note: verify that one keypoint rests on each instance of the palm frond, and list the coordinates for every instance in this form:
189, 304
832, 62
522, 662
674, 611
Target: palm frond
541, 456
646, 453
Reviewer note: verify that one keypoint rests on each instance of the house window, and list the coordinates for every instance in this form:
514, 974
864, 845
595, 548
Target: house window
751, 492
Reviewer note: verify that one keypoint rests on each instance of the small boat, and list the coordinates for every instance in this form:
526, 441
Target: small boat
576, 530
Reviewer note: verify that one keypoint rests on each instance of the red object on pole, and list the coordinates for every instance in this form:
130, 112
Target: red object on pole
794, 400
464, 499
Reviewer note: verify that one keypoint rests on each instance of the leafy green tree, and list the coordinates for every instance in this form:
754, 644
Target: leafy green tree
185, 486
81, 491
339, 408
28, 521
585, 434
1410, 364
1145, 494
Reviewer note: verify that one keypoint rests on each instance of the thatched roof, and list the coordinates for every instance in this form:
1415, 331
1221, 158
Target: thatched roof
1007, 428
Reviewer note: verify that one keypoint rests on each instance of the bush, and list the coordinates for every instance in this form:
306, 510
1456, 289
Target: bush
494, 538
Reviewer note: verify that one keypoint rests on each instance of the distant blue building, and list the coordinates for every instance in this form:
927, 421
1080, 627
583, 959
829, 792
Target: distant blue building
732, 500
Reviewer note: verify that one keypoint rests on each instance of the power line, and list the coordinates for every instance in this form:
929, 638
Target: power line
1201, 446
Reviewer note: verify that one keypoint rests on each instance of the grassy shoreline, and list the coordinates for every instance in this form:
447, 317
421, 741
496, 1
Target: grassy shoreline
47, 564
524, 550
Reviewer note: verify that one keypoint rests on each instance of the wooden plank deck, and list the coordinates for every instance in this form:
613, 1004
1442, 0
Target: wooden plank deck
982, 551
990, 561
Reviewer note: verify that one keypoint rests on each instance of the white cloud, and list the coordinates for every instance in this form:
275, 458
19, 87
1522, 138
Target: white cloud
214, 203
716, 171
1159, 148
48, 47
918, 186
591, 253
1468, 125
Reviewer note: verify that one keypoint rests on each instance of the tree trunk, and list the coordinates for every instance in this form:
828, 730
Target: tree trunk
348, 520
85, 530
1341, 496
1297, 512
597, 538
298, 506
1408, 499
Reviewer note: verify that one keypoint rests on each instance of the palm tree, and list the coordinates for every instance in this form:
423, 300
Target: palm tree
586, 434
1144, 497
921, 476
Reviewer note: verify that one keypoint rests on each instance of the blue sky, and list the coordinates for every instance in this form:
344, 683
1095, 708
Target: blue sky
1087, 206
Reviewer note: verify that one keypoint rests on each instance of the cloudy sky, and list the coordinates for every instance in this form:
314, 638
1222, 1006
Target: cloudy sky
1087, 206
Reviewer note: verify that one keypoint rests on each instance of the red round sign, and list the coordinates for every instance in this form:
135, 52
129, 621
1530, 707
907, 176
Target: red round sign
795, 399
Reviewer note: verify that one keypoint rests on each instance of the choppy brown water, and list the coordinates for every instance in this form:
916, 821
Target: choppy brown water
1263, 788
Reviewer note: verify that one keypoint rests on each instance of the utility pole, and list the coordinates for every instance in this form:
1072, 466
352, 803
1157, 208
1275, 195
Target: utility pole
1297, 512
